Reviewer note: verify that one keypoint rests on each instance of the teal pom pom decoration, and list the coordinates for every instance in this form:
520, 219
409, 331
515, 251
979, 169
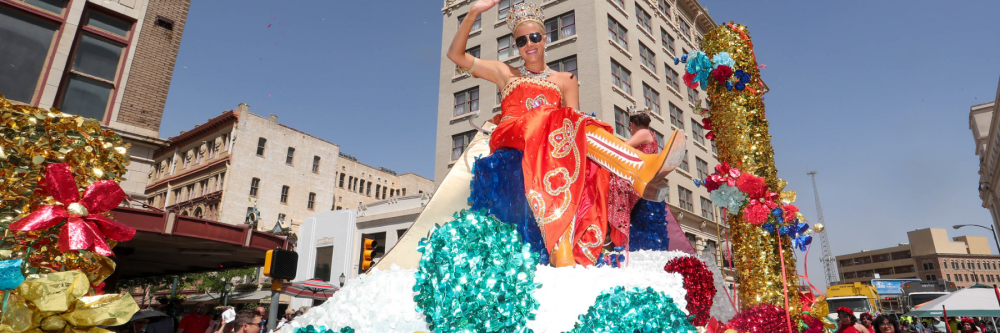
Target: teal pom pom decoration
635, 310
476, 275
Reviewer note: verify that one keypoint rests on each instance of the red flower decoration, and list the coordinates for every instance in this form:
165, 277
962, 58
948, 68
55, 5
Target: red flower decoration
699, 285
760, 319
722, 73
756, 212
753, 186
723, 168
710, 184
689, 80
789, 212
706, 123
85, 229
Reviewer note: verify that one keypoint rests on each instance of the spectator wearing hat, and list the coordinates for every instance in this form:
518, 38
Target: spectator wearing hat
846, 320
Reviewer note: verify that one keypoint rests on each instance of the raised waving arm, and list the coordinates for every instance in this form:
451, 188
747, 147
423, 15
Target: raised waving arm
493, 71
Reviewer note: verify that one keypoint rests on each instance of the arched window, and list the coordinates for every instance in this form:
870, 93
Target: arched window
197, 212
184, 213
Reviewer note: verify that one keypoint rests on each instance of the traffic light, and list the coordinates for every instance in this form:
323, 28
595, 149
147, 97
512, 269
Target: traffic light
367, 253
281, 264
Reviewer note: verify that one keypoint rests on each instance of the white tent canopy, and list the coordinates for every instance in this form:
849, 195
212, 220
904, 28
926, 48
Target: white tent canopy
968, 302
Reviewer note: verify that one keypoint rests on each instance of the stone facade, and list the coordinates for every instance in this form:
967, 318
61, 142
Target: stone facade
358, 184
983, 119
929, 256
214, 171
675, 28
221, 168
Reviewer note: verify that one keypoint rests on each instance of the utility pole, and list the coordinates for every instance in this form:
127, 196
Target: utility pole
829, 262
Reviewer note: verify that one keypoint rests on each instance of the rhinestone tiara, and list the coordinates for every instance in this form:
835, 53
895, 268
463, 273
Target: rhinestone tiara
524, 12
635, 111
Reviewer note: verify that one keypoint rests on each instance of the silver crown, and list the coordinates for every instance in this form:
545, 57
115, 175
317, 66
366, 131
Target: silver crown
524, 12
635, 111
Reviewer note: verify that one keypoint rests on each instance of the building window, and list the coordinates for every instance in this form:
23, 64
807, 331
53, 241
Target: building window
291, 156
567, 64
23, 68
312, 200
260, 146
361, 188
647, 57
676, 116
698, 132
478, 24
621, 77
667, 41
659, 138
620, 3
459, 142
504, 47
642, 16
378, 189
368, 190
684, 199
672, 78
663, 6
316, 164
467, 101
284, 194
684, 163
930, 266
91, 78
617, 33
947, 277
474, 52
685, 28
702, 167
560, 27
342, 180
504, 6
958, 277
651, 98
621, 123
707, 211
692, 95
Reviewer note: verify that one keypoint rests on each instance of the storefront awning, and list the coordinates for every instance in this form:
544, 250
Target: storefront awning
234, 297
166, 243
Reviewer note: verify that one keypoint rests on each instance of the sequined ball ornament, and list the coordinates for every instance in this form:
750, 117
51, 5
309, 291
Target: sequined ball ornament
524, 12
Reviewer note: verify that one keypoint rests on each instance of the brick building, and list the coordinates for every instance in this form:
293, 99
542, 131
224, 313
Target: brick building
109, 60
224, 167
929, 256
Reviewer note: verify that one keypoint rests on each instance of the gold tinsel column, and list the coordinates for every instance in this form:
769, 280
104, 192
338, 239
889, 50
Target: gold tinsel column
741, 134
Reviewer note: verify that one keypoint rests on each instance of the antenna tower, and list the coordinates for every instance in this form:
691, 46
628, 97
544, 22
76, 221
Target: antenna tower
829, 262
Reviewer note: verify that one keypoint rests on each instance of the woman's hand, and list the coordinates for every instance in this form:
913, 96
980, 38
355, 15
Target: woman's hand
482, 6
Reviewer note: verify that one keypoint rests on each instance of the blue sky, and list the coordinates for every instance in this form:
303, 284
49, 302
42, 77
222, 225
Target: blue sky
875, 95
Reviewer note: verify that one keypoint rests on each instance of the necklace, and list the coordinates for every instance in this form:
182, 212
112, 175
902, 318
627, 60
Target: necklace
544, 74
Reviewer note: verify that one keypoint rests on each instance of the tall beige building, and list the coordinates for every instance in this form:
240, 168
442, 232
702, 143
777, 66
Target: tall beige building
221, 169
623, 53
983, 119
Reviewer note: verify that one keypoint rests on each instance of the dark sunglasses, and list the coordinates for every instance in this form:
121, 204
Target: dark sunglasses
523, 40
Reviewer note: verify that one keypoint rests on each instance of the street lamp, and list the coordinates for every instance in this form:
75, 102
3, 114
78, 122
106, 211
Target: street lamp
225, 293
976, 225
342, 279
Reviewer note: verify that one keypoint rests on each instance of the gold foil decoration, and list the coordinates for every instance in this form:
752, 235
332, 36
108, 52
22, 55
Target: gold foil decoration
819, 227
743, 141
17, 316
54, 292
788, 197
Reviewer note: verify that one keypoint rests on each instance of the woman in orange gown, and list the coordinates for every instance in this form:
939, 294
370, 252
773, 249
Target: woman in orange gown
568, 156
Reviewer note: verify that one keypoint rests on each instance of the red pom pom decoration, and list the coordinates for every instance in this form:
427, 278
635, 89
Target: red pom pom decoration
699, 285
722, 73
764, 318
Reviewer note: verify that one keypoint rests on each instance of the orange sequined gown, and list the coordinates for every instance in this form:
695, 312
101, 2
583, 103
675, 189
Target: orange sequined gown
564, 188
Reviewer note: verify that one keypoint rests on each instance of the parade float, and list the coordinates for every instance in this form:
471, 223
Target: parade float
474, 260
59, 178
